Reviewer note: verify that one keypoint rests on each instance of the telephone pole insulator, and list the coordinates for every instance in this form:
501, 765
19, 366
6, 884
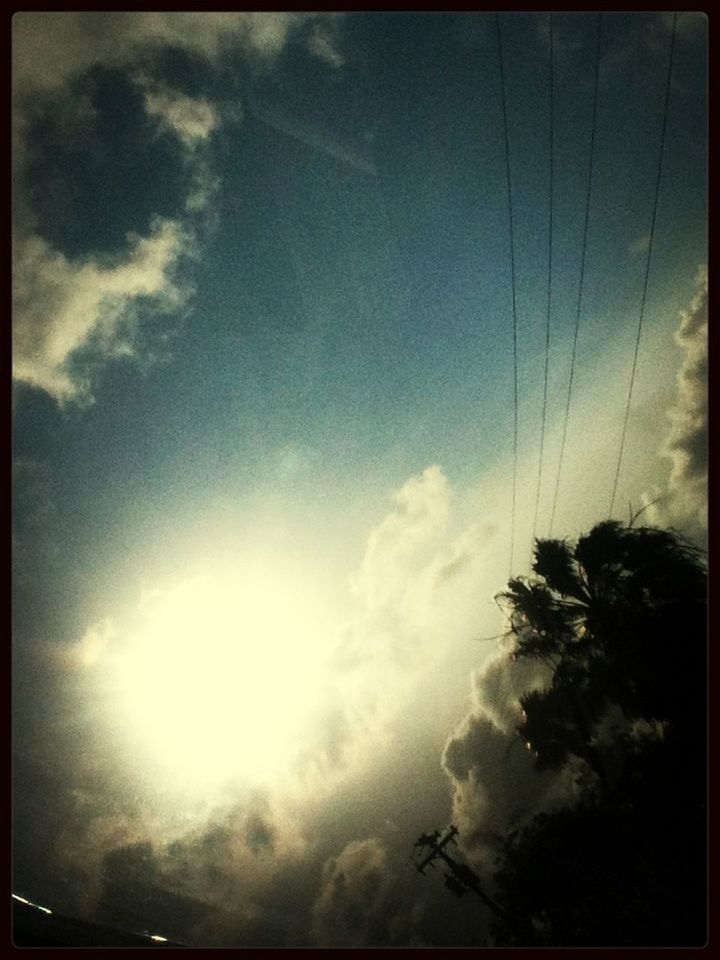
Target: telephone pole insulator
461, 877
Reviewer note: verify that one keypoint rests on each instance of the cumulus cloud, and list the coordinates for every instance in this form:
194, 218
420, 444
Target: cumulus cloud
351, 908
401, 546
426, 574
392, 634
495, 785
683, 502
61, 306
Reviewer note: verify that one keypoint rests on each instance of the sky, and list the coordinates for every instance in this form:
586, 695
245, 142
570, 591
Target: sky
264, 445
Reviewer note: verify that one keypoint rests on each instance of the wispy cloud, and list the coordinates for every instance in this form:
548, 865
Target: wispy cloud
322, 41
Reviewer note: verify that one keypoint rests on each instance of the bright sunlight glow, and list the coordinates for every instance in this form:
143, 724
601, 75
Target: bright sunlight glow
219, 676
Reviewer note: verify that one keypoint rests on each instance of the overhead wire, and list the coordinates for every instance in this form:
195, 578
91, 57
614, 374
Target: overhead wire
549, 279
514, 297
582, 274
643, 299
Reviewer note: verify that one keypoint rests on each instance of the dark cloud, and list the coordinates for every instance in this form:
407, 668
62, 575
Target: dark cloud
499, 684
259, 829
496, 786
133, 894
351, 907
495, 782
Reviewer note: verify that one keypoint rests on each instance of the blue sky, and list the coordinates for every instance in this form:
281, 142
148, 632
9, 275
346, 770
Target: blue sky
262, 278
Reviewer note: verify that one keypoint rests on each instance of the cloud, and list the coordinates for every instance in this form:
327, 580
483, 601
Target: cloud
84, 842
683, 501
50, 47
427, 574
495, 785
61, 307
351, 908
64, 308
197, 858
399, 606
259, 834
393, 586
322, 42
401, 545
191, 120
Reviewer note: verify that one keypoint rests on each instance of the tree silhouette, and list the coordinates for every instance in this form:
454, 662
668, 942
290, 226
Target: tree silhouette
620, 619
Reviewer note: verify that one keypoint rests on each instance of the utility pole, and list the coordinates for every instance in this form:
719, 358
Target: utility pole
461, 877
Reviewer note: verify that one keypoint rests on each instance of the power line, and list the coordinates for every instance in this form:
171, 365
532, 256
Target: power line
647, 266
514, 303
549, 283
582, 273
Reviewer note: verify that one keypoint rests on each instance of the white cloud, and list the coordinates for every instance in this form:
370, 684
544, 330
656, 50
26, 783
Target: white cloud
683, 501
398, 613
191, 120
49, 47
61, 307
403, 542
